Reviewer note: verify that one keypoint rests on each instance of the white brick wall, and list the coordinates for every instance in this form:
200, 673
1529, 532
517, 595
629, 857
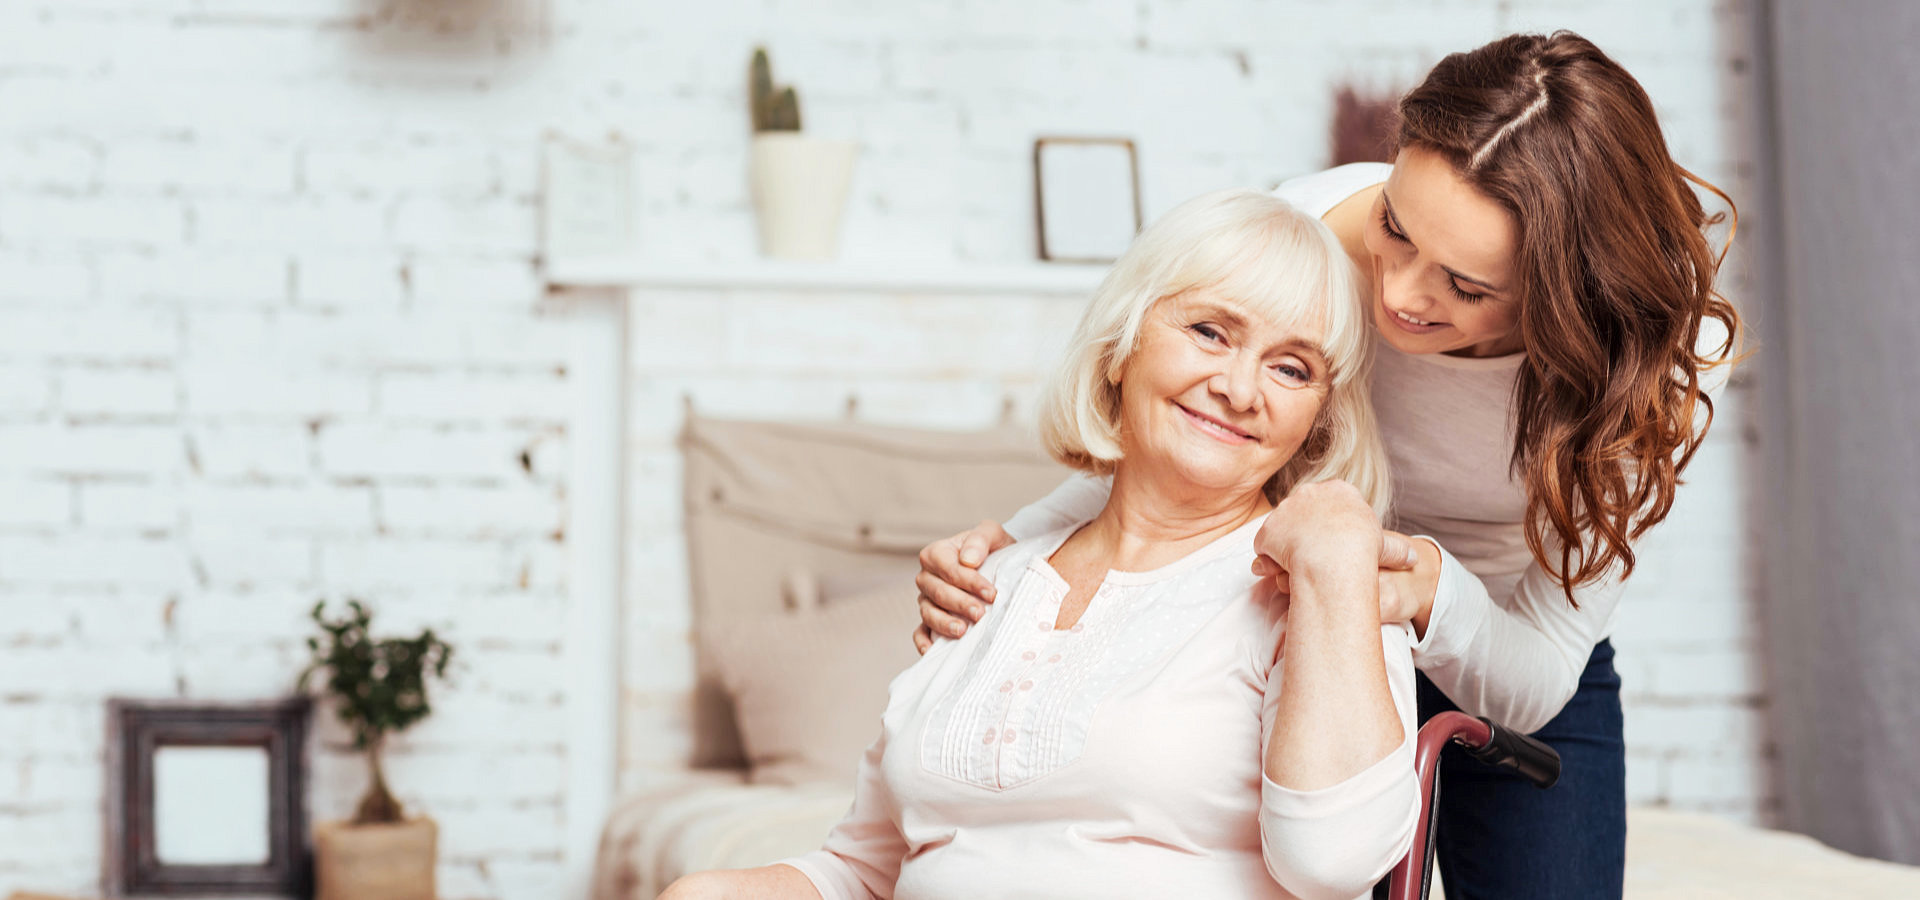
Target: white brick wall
270, 330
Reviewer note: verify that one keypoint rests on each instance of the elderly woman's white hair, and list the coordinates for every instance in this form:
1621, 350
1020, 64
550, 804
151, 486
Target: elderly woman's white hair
1266, 254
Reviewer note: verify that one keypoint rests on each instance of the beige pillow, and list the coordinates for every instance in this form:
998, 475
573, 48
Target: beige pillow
809, 686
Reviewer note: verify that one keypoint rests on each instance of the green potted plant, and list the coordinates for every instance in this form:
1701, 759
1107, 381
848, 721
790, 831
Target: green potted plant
380, 689
799, 182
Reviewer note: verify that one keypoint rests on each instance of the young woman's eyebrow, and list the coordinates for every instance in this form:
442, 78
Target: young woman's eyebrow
1395, 219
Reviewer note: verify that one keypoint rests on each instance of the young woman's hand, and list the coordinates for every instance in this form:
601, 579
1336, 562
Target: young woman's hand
953, 593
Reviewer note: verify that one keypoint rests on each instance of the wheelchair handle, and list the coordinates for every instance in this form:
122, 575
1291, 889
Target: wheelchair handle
1509, 749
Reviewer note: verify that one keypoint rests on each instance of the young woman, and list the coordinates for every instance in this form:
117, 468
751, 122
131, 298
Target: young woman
1143, 716
1539, 276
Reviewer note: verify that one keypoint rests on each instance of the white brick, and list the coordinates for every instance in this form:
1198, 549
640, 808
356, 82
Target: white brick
59, 782
77, 560
84, 673
427, 452
495, 225
458, 283
242, 561
472, 512
251, 451
415, 563
92, 221
240, 618
33, 502
349, 280
242, 673
187, 165
65, 163
389, 168
312, 509
451, 775
123, 619
496, 829
534, 396
120, 393
305, 223
78, 333
37, 279
91, 449
224, 388
49, 729
108, 506
197, 276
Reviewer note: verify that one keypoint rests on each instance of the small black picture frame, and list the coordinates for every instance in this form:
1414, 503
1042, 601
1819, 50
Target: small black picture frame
138, 729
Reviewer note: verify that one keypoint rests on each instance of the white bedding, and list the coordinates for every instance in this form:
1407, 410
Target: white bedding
715, 820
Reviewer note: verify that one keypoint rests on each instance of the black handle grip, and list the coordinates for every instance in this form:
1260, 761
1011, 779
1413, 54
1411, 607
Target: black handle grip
1509, 749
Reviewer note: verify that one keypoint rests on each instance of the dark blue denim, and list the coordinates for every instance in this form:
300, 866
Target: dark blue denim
1500, 838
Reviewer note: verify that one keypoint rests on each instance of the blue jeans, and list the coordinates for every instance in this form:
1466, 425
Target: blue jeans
1498, 837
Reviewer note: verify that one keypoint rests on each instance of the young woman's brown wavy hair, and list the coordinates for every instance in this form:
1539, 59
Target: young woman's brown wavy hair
1615, 276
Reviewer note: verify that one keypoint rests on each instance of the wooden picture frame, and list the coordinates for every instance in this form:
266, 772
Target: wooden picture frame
138, 730
1092, 189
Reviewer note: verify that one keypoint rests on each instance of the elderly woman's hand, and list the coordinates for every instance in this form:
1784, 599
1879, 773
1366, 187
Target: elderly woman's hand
1323, 524
1409, 567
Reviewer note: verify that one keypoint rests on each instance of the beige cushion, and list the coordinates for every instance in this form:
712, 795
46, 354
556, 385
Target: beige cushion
808, 686
767, 498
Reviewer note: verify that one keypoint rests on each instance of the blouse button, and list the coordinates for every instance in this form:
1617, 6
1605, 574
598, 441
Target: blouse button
990, 736
1054, 658
1077, 628
1006, 687
1027, 655
1008, 737
1044, 625
1026, 685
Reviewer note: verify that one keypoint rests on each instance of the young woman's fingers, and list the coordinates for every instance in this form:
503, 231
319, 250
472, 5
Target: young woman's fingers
980, 540
940, 561
923, 639
949, 598
1396, 551
941, 621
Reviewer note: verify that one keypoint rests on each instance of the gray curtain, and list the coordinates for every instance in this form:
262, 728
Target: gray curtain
1839, 377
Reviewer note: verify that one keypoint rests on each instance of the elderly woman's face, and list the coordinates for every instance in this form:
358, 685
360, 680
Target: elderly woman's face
1217, 396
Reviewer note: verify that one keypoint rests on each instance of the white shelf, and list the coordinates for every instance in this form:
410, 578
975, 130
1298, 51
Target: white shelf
877, 276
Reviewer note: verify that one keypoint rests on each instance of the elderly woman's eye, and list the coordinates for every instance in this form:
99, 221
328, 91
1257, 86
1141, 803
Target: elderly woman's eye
1292, 374
1206, 331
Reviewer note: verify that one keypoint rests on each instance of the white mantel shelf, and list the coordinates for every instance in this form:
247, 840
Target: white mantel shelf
876, 276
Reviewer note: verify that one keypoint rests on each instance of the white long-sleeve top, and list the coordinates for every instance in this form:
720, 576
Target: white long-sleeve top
1121, 757
1502, 641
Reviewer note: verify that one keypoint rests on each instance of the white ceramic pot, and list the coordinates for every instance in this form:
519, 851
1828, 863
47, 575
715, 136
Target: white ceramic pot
799, 188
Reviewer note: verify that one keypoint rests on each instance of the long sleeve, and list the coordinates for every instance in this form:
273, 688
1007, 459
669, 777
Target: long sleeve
862, 855
1336, 842
1517, 665
1077, 499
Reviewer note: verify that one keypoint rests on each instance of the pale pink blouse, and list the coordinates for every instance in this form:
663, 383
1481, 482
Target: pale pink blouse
1121, 757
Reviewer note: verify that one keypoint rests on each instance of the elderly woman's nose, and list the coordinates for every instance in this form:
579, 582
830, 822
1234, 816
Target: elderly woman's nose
1239, 385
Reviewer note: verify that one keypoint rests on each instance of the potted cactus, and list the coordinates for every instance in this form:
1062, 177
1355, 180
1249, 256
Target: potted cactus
799, 183
380, 688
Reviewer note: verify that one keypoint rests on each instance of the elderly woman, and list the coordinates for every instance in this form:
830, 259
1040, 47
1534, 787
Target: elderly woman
1141, 715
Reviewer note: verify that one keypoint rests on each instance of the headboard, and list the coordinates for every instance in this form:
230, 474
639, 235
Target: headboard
769, 499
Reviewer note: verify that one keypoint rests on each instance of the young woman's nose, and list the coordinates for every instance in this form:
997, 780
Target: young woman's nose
1401, 287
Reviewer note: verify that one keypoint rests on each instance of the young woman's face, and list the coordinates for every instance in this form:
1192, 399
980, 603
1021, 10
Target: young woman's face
1215, 397
1443, 278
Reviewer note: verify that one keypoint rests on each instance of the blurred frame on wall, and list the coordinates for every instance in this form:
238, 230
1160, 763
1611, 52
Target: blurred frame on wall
207, 799
1086, 194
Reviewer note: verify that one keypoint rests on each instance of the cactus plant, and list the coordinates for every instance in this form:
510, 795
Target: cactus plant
773, 109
